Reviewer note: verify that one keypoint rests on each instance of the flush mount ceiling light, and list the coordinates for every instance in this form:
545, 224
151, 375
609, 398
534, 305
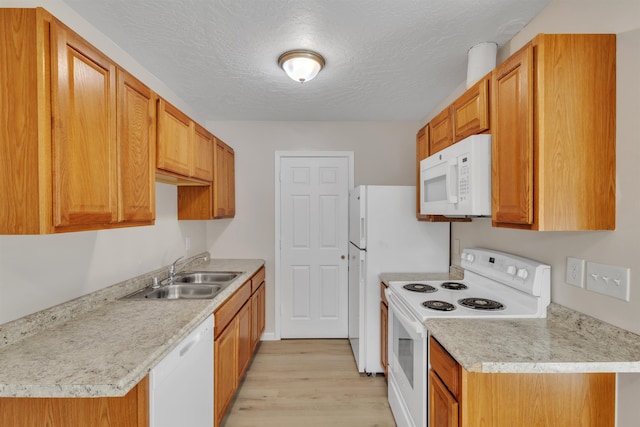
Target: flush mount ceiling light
301, 65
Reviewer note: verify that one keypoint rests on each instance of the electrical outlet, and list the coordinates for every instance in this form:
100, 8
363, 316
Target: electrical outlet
575, 271
609, 280
456, 246
187, 243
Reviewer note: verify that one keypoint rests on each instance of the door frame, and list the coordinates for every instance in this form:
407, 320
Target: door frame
279, 155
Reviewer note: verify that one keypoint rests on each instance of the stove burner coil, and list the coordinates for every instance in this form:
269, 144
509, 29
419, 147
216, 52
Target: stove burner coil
481, 304
454, 286
439, 305
419, 287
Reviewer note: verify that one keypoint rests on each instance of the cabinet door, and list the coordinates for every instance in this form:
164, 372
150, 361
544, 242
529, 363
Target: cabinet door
384, 338
224, 181
202, 153
230, 159
257, 315
512, 141
443, 407
174, 147
471, 111
84, 158
226, 368
441, 131
244, 338
136, 150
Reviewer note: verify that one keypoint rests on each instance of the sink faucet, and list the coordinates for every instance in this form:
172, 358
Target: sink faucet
173, 270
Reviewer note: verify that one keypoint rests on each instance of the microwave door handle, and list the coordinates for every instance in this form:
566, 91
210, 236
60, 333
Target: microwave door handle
452, 180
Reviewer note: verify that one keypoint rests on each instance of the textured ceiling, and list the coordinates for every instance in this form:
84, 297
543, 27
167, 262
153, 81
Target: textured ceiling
385, 59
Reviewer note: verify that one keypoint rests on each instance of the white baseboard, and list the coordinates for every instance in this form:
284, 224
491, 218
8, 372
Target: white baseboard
268, 336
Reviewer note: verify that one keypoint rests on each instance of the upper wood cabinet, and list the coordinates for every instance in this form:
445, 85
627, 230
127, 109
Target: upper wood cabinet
440, 131
470, 111
184, 148
202, 153
553, 144
175, 144
224, 195
216, 200
136, 149
62, 167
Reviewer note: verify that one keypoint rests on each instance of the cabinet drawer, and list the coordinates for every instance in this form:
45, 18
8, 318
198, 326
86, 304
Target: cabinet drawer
383, 297
257, 280
227, 311
445, 366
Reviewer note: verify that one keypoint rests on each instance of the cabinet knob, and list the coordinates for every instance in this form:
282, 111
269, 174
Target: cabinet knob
342, 257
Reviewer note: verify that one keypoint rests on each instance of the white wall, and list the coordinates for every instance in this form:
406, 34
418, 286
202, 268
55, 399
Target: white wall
384, 154
619, 247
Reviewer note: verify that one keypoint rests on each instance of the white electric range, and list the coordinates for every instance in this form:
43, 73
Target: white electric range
495, 285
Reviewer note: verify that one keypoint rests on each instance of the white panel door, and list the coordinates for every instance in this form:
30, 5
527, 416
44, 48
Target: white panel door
314, 193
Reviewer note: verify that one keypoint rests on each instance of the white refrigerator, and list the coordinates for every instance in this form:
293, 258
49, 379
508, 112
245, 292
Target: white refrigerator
385, 237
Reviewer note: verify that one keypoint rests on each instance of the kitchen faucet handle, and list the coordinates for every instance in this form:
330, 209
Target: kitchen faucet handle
172, 268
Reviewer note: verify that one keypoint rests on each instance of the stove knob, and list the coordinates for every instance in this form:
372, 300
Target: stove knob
523, 273
511, 270
469, 257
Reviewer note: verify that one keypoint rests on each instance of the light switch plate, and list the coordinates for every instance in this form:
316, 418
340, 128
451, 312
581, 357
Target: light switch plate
609, 280
575, 272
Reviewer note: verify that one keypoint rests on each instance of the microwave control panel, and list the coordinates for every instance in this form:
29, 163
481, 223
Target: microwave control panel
464, 182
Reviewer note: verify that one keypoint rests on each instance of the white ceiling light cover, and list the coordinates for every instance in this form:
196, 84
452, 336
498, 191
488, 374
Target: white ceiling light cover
301, 65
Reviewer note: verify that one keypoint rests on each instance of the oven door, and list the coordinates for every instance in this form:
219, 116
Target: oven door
407, 365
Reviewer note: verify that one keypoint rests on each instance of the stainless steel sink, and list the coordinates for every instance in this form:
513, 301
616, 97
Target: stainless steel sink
217, 277
178, 291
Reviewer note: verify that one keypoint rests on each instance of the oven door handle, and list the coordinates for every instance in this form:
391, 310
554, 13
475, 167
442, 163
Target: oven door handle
405, 317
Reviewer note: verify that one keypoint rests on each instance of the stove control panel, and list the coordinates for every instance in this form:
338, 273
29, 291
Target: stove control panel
524, 274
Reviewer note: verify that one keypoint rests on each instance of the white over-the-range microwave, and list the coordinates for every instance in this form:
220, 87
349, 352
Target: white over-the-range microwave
456, 181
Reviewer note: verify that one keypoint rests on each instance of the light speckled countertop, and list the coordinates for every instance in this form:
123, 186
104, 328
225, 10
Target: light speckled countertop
99, 345
566, 341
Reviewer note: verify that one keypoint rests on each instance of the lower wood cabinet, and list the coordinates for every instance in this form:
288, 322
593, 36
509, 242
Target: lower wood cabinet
458, 398
131, 410
238, 326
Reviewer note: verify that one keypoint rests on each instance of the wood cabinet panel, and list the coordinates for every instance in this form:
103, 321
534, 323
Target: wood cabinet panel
440, 131
224, 181
202, 153
471, 111
131, 410
512, 143
528, 400
445, 366
84, 110
174, 144
258, 279
443, 407
384, 337
244, 338
554, 134
227, 311
225, 369
136, 150
25, 122
257, 315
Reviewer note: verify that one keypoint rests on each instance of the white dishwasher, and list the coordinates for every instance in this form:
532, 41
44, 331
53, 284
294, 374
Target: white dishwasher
181, 385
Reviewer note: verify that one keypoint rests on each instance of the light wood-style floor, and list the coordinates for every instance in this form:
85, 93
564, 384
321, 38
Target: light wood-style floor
308, 383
